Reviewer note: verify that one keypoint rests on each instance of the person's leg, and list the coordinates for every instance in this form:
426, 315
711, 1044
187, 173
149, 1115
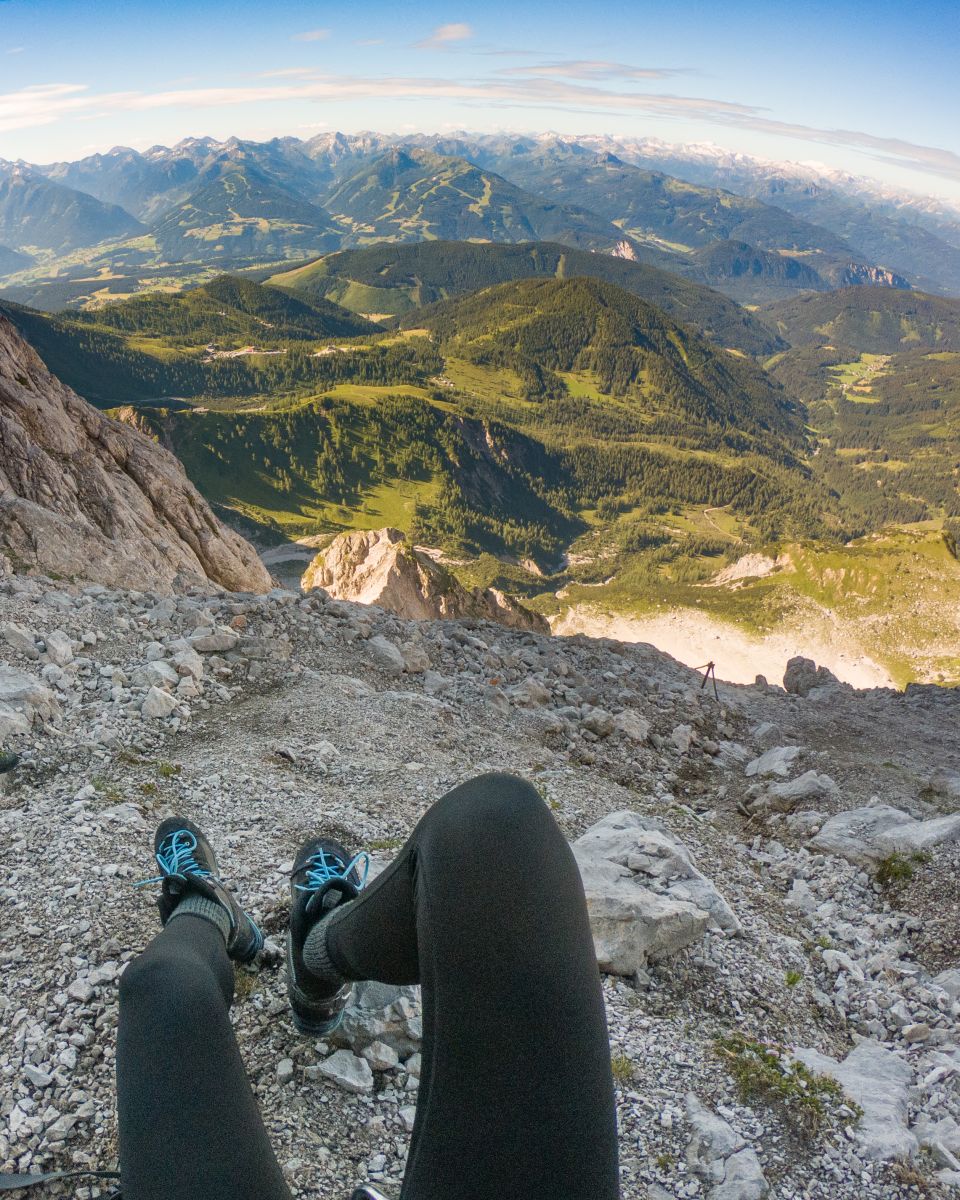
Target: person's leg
484, 907
188, 1120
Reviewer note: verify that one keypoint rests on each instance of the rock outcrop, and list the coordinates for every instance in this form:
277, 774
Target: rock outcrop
89, 498
879, 1082
803, 675
646, 898
377, 566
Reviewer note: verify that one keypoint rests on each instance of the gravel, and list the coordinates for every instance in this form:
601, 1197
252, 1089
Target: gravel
285, 714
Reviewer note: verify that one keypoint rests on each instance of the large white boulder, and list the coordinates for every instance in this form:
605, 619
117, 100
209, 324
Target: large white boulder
879, 1082
866, 835
158, 704
919, 836
645, 895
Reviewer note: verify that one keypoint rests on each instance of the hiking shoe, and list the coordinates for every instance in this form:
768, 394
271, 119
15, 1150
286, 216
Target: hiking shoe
324, 877
189, 866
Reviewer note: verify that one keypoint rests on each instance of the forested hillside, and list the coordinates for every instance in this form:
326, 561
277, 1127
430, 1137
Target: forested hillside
229, 309
395, 278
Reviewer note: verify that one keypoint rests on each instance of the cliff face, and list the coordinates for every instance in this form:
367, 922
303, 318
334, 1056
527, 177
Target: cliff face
89, 498
377, 567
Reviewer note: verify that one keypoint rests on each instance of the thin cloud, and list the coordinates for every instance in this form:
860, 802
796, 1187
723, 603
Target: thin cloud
446, 35
289, 73
16, 50
311, 35
590, 69
44, 104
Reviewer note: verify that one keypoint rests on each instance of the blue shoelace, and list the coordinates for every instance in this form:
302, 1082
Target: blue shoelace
324, 866
175, 858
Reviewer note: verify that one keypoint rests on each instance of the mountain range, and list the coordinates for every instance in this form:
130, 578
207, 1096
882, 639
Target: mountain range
117, 223
569, 364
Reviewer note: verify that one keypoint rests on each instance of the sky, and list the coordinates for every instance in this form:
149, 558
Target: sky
869, 88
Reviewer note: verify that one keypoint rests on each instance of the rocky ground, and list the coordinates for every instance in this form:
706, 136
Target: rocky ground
786, 1016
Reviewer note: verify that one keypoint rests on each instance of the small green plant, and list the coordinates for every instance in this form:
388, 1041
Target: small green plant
148, 788
622, 1068
898, 868
666, 1162
385, 844
910, 1174
765, 1071
107, 790
167, 770
824, 942
792, 978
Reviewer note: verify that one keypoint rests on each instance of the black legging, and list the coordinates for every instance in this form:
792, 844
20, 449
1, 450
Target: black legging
483, 908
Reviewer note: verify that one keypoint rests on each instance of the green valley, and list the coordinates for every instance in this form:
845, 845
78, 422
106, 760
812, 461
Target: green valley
563, 437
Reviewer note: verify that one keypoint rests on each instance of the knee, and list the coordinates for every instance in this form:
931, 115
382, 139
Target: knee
499, 803
159, 979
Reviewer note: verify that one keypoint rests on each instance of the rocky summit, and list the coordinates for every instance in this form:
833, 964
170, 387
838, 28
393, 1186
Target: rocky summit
86, 497
771, 875
377, 566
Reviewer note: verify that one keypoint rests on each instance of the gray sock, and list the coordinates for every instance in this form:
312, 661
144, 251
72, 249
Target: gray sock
195, 905
316, 956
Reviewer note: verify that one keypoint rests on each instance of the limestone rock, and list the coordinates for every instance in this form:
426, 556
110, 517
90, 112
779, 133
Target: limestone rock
944, 782
530, 693
158, 704
386, 655
347, 1071
918, 836
950, 982
632, 725
59, 648
599, 722
157, 673
415, 659
645, 896
84, 496
656, 857
21, 694
380, 1056
12, 722
376, 566
19, 639
380, 1012
682, 738
214, 641
803, 675
866, 835
879, 1081
776, 761
721, 1158
784, 797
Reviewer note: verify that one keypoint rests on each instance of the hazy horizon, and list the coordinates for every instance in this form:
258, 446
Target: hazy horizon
859, 88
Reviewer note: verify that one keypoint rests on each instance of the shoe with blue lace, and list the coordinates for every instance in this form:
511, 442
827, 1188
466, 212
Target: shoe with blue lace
324, 877
188, 867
